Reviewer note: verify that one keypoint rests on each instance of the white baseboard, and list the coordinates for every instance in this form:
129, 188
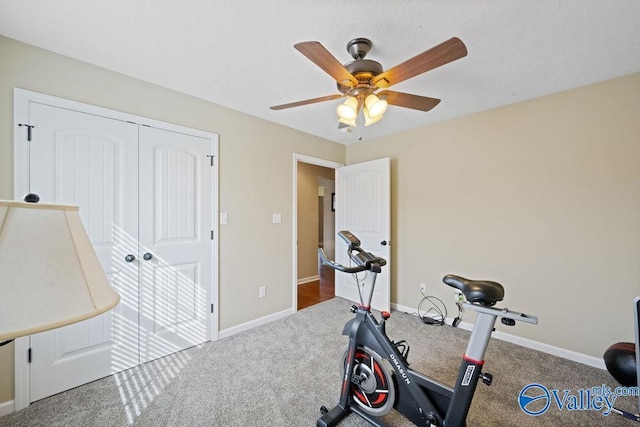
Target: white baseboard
404, 309
252, 324
308, 279
6, 408
525, 342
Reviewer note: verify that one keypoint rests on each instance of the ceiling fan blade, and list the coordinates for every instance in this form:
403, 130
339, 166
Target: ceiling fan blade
435, 57
408, 100
320, 56
306, 101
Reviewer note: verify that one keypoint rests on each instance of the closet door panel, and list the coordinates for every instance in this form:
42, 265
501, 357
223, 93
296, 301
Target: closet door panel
92, 162
175, 230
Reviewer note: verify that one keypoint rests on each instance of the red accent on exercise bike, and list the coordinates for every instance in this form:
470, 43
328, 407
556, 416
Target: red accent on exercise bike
373, 403
472, 360
380, 374
345, 386
346, 381
385, 315
363, 356
378, 397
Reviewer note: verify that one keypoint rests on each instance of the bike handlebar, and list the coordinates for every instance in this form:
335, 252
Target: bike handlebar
339, 267
364, 259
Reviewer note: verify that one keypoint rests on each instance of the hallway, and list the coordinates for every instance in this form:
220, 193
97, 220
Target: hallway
317, 291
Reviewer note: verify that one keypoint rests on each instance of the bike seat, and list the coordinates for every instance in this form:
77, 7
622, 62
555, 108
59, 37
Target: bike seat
483, 292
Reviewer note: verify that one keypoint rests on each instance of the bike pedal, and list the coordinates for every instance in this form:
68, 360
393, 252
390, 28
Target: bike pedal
403, 348
487, 378
508, 322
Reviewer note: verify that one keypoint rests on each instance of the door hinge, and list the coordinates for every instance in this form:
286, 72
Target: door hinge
211, 234
211, 157
29, 127
29, 355
211, 308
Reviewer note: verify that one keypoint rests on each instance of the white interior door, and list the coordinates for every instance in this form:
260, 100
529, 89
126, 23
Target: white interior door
140, 190
89, 161
176, 235
363, 206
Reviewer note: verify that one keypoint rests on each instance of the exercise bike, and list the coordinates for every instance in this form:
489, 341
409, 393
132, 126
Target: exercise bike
376, 376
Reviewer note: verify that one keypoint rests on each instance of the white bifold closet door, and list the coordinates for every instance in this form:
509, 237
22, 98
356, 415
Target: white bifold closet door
145, 198
175, 224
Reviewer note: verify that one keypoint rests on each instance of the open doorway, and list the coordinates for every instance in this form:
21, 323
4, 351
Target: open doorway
314, 228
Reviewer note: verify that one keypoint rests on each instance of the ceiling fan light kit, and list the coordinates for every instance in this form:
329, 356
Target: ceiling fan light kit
349, 109
370, 119
360, 79
375, 105
373, 109
346, 123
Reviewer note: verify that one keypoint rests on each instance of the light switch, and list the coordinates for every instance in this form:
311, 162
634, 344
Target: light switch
277, 218
223, 217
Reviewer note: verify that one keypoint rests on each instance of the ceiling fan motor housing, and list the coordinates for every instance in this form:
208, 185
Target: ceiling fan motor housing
362, 69
358, 48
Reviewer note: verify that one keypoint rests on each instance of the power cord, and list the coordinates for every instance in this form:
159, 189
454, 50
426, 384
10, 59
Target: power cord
434, 315
458, 319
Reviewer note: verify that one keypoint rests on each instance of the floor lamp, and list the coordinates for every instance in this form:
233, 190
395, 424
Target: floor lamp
50, 275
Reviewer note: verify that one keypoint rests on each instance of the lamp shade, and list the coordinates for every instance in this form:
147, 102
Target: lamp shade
368, 119
351, 122
349, 109
50, 276
375, 106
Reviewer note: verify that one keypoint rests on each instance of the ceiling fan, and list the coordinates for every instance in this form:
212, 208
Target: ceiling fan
360, 79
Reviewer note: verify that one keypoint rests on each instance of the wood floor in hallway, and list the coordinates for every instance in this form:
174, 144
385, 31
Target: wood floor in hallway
317, 291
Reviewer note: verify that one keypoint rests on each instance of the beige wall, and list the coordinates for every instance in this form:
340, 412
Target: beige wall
250, 150
329, 214
542, 196
308, 217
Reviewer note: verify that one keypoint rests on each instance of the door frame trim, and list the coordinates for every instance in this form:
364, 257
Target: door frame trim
21, 100
302, 158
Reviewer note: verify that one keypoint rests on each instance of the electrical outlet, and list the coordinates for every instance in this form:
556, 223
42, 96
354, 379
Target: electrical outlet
423, 287
262, 291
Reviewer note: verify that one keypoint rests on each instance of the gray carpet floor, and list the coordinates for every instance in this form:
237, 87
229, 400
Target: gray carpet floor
280, 374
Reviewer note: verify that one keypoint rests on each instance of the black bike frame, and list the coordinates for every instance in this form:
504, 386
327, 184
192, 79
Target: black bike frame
431, 399
422, 400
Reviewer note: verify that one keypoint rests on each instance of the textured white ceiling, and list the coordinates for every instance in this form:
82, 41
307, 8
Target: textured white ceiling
240, 53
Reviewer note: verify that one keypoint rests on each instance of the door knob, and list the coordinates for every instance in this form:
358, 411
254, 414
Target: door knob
147, 256
383, 243
130, 258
